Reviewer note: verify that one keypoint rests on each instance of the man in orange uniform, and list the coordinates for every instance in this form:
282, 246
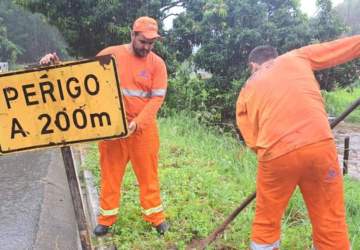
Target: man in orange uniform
281, 115
143, 79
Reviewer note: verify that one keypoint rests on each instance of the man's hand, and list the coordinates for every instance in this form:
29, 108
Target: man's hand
132, 127
49, 59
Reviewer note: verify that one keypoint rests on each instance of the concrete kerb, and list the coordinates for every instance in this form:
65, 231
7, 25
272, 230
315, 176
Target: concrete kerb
90, 196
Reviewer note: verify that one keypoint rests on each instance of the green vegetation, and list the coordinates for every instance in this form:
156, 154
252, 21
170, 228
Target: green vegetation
25, 37
215, 36
204, 176
340, 99
348, 11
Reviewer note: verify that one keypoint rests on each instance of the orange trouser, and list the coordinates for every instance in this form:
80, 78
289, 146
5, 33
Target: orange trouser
315, 169
142, 150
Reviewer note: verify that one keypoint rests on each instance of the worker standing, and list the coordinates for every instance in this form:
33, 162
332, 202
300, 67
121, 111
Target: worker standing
280, 113
143, 82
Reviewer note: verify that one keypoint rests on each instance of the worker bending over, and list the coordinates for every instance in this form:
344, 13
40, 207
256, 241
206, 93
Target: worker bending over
280, 113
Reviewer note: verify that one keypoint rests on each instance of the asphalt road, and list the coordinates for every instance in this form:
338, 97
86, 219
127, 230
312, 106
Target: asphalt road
36, 210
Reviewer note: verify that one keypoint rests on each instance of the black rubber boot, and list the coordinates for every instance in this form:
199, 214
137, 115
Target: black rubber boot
162, 227
101, 230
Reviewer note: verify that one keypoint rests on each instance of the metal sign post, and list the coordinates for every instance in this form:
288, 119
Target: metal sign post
76, 196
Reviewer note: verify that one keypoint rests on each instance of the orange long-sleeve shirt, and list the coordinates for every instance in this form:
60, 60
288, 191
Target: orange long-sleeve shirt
143, 83
280, 108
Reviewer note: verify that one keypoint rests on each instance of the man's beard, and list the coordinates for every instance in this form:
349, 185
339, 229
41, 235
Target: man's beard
140, 52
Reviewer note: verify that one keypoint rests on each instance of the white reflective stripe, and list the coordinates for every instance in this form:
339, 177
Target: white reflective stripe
152, 210
104, 212
136, 93
255, 246
143, 94
158, 92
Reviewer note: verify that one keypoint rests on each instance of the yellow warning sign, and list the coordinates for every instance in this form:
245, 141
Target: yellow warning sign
61, 104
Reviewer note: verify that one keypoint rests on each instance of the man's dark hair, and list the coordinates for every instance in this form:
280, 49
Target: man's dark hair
263, 53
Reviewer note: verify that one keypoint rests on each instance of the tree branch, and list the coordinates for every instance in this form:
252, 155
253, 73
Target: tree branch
179, 3
173, 14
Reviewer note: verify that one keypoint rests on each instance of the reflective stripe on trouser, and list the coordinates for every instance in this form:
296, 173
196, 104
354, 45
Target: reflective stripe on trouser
315, 169
110, 212
273, 246
152, 210
141, 149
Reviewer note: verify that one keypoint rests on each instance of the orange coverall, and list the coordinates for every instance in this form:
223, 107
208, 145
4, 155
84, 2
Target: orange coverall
143, 83
280, 113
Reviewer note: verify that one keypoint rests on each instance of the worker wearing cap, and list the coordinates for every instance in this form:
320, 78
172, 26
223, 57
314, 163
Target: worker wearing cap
143, 82
281, 115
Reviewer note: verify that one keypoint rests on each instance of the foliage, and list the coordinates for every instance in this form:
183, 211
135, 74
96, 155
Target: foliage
8, 50
29, 33
328, 26
188, 92
90, 25
212, 35
192, 92
224, 32
349, 13
204, 176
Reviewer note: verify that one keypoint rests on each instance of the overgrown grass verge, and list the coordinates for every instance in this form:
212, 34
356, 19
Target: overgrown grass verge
204, 176
337, 101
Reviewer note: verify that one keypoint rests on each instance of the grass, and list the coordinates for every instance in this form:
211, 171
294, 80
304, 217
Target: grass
204, 176
337, 101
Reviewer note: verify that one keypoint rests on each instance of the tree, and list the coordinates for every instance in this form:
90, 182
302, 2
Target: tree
29, 33
90, 25
224, 31
214, 35
348, 11
326, 25
8, 50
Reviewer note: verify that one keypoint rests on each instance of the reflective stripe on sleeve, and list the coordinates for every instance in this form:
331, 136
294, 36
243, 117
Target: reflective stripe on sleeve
136, 93
104, 212
158, 92
152, 210
255, 246
143, 94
